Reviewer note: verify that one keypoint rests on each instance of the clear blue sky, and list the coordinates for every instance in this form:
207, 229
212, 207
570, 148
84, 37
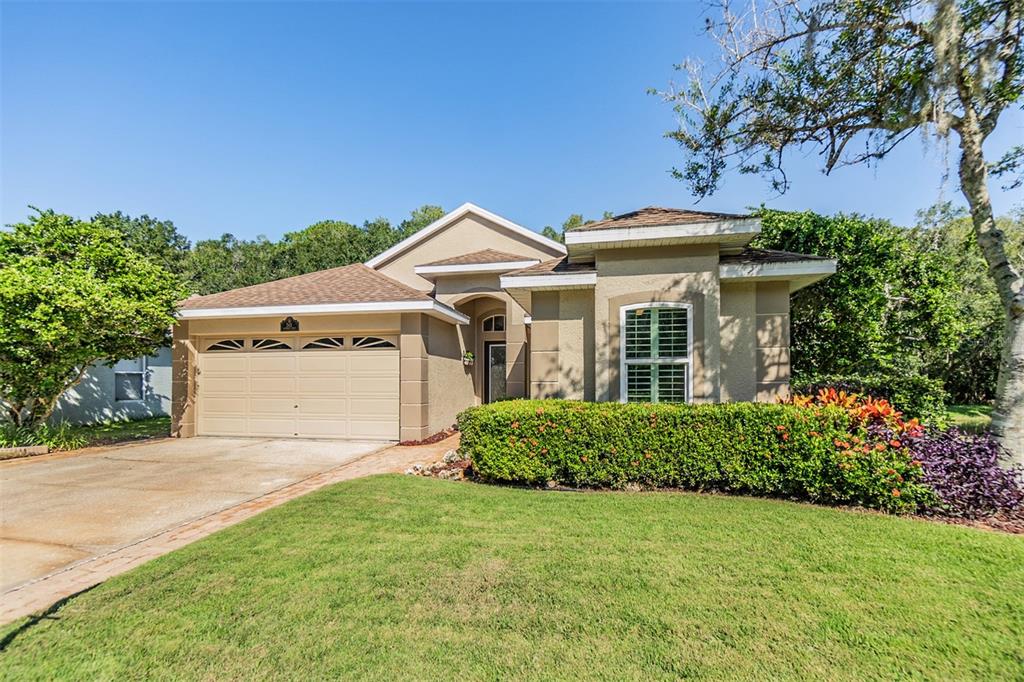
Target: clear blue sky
262, 118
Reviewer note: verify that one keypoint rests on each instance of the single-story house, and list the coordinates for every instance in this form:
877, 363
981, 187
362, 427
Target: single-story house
653, 305
130, 389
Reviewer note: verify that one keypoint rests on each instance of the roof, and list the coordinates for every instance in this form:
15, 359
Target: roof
656, 216
754, 256
555, 266
348, 284
482, 257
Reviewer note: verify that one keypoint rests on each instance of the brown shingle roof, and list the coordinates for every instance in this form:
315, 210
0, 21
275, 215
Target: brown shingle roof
348, 284
482, 257
655, 216
767, 256
556, 266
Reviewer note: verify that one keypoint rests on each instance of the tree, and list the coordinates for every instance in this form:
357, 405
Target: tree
571, 223
969, 370
322, 245
228, 263
418, 219
72, 294
156, 239
852, 80
887, 308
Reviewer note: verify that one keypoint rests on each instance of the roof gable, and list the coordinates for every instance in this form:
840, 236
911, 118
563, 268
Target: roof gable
657, 216
450, 218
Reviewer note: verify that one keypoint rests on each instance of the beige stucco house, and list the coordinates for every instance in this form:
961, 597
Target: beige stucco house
653, 305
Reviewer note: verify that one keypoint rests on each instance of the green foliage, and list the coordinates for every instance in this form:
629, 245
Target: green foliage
887, 308
752, 448
228, 263
59, 437
969, 369
158, 240
71, 294
916, 395
571, 223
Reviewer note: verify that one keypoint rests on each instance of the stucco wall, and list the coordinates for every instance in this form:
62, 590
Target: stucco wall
450, 388
739, 343
687, 274
466, 235
545, 380
772, 340
93, 399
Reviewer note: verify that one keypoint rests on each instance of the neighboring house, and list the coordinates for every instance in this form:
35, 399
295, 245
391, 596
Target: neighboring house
654, 305
131, 389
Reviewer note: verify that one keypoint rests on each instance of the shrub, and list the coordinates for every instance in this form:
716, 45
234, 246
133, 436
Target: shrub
965, 472
918, 396
60, 437
760, 449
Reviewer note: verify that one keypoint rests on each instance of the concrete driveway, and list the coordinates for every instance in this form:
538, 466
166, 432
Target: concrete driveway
57, 511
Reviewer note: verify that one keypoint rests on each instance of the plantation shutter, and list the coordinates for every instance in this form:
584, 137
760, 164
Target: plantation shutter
656, 354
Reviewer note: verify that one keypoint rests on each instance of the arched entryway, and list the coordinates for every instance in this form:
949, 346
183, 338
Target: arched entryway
486, 338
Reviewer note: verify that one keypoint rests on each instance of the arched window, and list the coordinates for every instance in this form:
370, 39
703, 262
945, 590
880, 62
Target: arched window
269, 344
656, 343
494, 323
372, 342
227, 344
326, 343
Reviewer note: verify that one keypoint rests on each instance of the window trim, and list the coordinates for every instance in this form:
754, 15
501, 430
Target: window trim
143, 372
494, 316
624, 361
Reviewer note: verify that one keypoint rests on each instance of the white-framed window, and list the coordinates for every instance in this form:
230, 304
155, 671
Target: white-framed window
494, 323
656, 342
130, 380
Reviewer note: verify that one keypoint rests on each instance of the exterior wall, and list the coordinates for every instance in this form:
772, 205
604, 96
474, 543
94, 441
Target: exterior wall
468, 234
739, 343
414, 422
772, 340
687, 274
93, 399
545, 379
480, 296
183, 382
450, 385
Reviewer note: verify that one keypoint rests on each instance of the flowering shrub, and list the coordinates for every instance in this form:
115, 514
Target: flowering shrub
804, 452
963, 470
917, 395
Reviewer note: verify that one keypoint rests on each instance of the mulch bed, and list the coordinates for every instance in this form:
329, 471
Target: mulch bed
430, 440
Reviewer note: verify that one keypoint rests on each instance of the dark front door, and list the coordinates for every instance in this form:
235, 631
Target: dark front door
494, 371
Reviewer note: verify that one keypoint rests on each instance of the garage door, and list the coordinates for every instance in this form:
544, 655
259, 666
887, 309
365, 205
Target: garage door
332, 387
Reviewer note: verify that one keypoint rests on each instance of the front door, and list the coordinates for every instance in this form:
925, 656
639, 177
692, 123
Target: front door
494, 372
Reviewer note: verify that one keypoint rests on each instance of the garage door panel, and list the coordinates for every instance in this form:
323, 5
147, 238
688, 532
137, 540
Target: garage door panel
273, 385
324, 385
272, 361
339, 393
323, 406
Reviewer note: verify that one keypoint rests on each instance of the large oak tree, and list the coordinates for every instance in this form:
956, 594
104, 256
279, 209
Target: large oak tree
853, 79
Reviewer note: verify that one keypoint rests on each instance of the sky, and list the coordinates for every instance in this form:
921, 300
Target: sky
262, 118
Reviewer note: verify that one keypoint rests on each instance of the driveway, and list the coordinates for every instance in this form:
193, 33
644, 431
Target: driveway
61, 510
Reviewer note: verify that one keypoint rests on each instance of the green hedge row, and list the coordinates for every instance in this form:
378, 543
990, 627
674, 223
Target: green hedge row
914, 394
751, 448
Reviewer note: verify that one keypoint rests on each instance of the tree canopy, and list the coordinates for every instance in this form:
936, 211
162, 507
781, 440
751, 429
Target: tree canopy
73, 293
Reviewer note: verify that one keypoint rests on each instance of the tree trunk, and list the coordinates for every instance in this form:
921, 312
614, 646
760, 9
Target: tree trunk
1008, 415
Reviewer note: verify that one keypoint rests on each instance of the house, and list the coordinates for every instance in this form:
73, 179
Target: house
131, 389
654, 305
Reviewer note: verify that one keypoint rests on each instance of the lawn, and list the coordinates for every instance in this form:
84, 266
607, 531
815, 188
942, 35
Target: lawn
396, 577
116, 432
973, 418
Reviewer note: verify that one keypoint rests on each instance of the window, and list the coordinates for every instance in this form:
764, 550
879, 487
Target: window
129, 380
494, 323
656, 342
227, 344
372, 342
327, 343
269, 344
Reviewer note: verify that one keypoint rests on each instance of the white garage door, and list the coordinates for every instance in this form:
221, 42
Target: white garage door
346, 390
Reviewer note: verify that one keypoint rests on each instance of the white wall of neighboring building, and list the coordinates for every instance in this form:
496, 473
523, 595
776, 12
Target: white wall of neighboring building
132, 389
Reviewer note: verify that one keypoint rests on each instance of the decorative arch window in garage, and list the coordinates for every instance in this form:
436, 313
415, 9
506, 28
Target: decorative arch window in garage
326, 343
372, 342
269, 344
227, 344
494, 323
656, 344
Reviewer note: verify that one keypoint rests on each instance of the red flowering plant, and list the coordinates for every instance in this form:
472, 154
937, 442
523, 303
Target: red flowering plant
874, 455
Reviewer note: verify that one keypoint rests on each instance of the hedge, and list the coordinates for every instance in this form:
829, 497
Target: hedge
751, 448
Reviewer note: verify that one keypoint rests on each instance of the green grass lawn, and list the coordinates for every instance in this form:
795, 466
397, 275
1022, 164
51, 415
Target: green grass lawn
116, 432
973, 418
396, 577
